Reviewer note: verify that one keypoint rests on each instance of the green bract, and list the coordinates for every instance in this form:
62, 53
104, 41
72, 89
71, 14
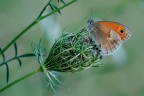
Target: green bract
73, 52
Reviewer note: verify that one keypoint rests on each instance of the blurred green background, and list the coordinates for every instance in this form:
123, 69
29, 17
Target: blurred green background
122, 74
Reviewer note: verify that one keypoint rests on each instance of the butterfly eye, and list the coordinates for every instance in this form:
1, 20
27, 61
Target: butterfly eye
121, 31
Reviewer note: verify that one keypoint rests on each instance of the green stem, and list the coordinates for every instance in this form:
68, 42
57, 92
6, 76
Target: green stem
35, 22
44, 9
71, 2
19, 35
20, 79
17, 57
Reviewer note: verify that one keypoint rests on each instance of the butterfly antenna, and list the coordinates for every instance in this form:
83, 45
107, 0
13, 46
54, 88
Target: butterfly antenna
91, 13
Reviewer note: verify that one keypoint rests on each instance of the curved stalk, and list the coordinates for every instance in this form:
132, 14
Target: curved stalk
34, 23
20, 79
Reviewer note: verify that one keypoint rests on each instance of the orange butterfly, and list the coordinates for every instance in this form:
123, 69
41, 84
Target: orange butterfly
108, 34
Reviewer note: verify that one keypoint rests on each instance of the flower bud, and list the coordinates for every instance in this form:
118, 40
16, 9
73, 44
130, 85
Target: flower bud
73, 52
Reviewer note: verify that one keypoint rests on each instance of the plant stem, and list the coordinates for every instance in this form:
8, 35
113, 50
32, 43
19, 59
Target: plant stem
71, 2
18, 36
43, 9
16, 57
20, 79
35, 22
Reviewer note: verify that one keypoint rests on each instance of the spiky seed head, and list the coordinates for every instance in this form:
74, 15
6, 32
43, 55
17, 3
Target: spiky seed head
73, 52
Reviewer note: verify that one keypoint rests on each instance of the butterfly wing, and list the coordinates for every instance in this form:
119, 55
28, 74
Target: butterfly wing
111, 44
109, 35
105, 37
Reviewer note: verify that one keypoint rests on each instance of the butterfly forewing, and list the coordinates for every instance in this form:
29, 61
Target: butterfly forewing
109, 35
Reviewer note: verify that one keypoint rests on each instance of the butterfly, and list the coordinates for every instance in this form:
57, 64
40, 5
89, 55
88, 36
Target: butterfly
108, 34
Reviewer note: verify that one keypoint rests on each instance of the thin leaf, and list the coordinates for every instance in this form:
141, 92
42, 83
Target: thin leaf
15, 47
56, 8
62, 1
7, 68
2, 55
56, 79
43, 9
20, 63
7, 72
27, 55
51, 6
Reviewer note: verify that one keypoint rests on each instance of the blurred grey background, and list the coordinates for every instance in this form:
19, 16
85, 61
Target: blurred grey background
120, 74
